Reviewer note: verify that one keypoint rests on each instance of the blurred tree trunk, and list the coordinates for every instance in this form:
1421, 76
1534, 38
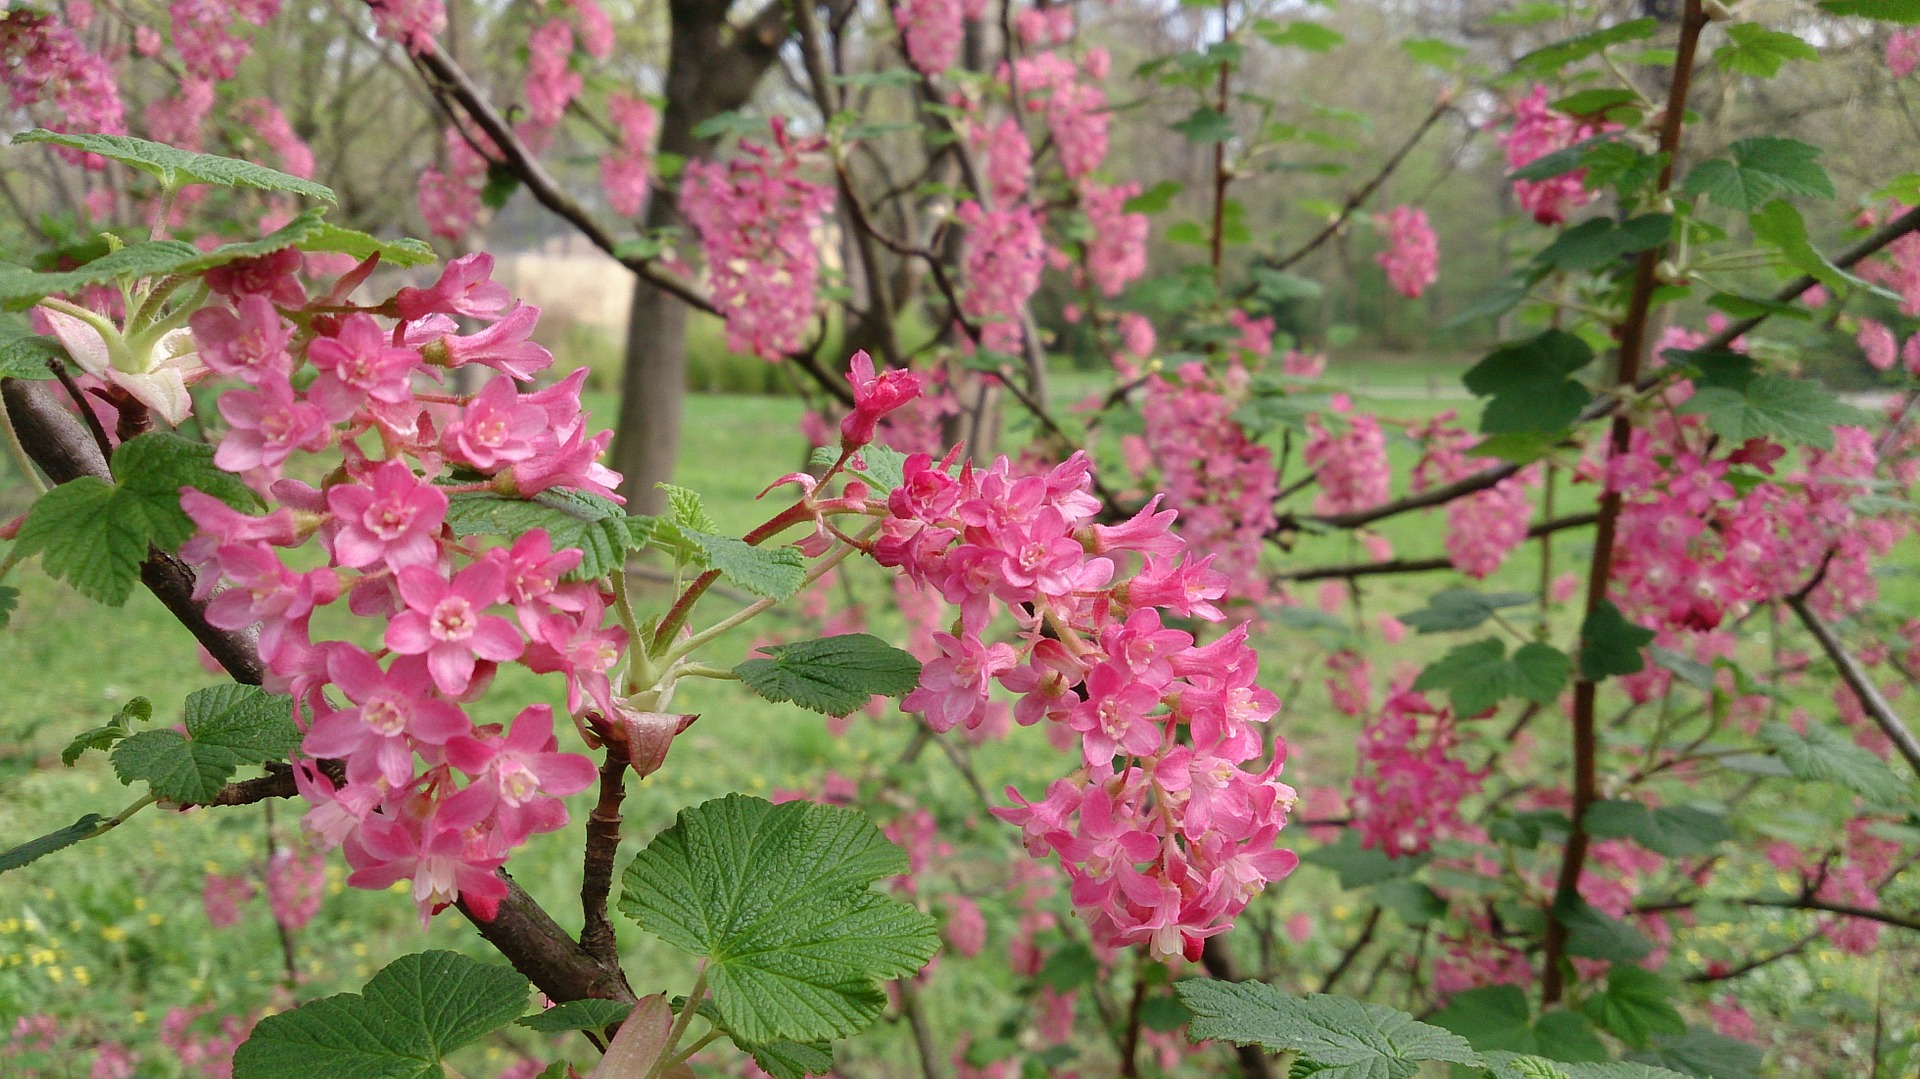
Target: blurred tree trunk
712, 68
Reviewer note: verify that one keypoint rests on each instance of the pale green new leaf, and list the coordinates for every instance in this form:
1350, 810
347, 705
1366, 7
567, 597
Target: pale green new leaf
227, 725
152, 259
418, 1009
779, 901
175, 167
773, 572
1756, 50
881, 466
831, 675
1344, 1039
335, 240
1822, 756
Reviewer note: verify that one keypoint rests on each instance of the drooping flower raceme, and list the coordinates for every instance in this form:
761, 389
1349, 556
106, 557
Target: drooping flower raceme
1412, 257
1537, 130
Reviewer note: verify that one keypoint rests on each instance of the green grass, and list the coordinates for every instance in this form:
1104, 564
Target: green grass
110, 934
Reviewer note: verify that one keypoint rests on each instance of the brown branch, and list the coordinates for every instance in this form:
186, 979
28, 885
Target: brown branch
603, 843
447, 78
1857, 679
1751, 965
1359, 197
524, 933
1801, 902
1422, 565
1634, 332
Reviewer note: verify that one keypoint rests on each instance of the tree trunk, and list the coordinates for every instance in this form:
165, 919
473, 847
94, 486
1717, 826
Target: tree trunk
711, 68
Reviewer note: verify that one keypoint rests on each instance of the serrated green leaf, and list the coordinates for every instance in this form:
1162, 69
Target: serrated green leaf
1822, 756
1551, 58
151, 469
35, 849
175, 167
1620, 1069
1068, 967
1675, 831
773, 572
686, 509
294, 233
1505, 1065
1346, 1039
1414, 902
414, 1012
778, 899
785, 1059
1704, 1053
24, 353
137, 710
1461, 608
334, 240
831, 675
589, 1014
1480, 675
1779, 225
1900, 11
1599, 242
882, 467
1784, 409
1360, 866
133, 262
1528, 384
85, 541
575, 520
1761, 169
1609, 644
1752, 49
227, 725
1593, 934
1205, 125
1636, 1005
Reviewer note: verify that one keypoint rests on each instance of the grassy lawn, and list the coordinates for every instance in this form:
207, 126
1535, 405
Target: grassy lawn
111, 934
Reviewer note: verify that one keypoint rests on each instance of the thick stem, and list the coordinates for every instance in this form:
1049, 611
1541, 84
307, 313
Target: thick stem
1633, 340
603, 843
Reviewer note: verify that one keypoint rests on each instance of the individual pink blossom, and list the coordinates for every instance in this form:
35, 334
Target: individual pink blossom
496, 428
443, 864
873, 397
507, 346
359, 363
953, 688
572, 462
465, 287
1412, 257
272, 276
579, 646
266, 426
393, 518
445, 621
518, 777
391, 712
249, 342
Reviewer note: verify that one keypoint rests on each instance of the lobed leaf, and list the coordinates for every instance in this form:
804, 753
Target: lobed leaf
174, 167
1529, 384
1636, 1005
227, 726
831, 675
1480, 675
1609, 644
1759, 170
574, 520
1822, 756
1344, 1039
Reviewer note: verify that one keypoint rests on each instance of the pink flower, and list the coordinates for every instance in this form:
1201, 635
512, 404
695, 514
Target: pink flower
578, 646
443, 865
295, 883
267, 425
518, 777
574, 462
534, 571
1536, 132
269, 276
248, 343
506, 346
466, 287
551, 83
1004, 256
953, 687
966, 928
267, 592
393, 711
1903, 52
496, 428
444, 621
1412, 257
222, 896
359, 363
873, 397
930, 30
1879, 344
391, 517
1117, 247
413, 23
625, 172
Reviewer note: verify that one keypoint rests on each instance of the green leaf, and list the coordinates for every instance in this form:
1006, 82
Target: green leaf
1761, 169
35, 849
778, 899
9, 599
227, 726
575, 520
25, 354
1346, 1039
1599, 242
784, 1059
1636, 1005
1597, 102
1784, 409
1154, 199
294, 233
1752, 49
687, 509
1414, 902
1480, 675
1435, 53
1528, 384
335, 240
1901, 11
1360, 866
1675, 831
1703, 1053
152, 468
1302, 34
1551, 58
85, 541
882, 467
1206, 125
1779, 225
175, 168
1609, 644
1068, 967
773, 572
590, 1014
831, 675
1498, 1018
1592, 934
137, 710
153, 259
1822, 756
1461, 608
413, 1013
1513, 1066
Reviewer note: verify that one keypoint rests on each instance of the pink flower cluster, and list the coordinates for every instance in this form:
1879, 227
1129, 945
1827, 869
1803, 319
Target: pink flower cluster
427, 795
1412, 257
413, 23
1483, 528
450, 200
1222, 483
43, 61
1076, 109
625, 171
1903, 52
1350, 467
1117, 245
552, 84
1005, 255
1537, 131
1409, 787
932, 30
203, 35
758, 218
1898, 266
1169, 828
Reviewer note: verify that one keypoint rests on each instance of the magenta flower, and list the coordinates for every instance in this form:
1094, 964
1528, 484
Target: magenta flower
267, 592
1114, 717
504, 346
577, 646
575, 462
533, 573
270, 277
222, 896
518, 777
496, 428
443, 865
267, 425
953, 688
466, 287
394, 519
444, 621
248, 343
361, 363
874, 397
392, 710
